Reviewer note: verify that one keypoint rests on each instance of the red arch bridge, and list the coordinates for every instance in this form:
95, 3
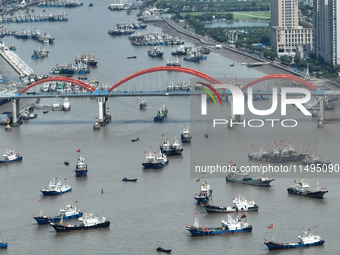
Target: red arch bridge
110, 92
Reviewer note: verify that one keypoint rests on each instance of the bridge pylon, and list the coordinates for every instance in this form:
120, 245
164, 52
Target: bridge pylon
102, 120
16, 121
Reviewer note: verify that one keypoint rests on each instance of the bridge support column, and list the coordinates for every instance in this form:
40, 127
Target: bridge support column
16, 120
102, 111
321, 117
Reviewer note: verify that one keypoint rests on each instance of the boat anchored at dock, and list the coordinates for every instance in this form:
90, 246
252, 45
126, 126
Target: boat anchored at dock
185, 136
67, 213
230, 226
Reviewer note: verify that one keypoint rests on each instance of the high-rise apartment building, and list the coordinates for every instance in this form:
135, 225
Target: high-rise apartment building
288, 33
326, 21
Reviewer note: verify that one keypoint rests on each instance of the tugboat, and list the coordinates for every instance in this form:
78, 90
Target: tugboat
142, 103
228, 227
81, 167
305, 240
3, 245
301, 189
176, 148
10, 157
205, 193
161, 114
66, 104
240, 204
185, 136
242, 177
55, 188
90, 221
69, 212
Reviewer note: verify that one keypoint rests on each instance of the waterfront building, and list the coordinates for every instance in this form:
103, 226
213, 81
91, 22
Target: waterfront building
289, 33
326, 23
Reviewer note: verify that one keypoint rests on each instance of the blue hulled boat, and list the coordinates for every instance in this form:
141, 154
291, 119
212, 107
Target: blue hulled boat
306, 240
161, 114
3, 245
228, 227
81, 167
10, 157
205, 193
69, 212
55, 188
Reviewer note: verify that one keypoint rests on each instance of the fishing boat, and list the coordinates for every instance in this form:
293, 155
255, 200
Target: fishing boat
81, 167
66, 104
10, 157
230, 226
305, 240
134, 139
155, 52
67, 213
302, 189
161, 114
240, 204
315, 161
142, 103
40, 53
3, 245
161, 160
128, 180
239, 176
55, 188
185, 136
176, 149
204, 194
89, 221
163, 250
173, 63
149, 160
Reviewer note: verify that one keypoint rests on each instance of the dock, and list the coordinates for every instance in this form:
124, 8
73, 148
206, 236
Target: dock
15, 62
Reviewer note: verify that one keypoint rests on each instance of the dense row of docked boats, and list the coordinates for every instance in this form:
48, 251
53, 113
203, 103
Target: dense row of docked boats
59, 3
36, 35
153, 39
37, 17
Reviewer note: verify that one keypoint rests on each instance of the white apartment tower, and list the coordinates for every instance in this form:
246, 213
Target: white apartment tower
326, 21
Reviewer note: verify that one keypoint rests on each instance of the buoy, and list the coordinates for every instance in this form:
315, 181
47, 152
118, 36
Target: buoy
8, 127
96, 126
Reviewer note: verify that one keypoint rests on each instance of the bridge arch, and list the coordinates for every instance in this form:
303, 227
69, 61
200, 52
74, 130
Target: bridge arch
281, 76
167, 68
66, 79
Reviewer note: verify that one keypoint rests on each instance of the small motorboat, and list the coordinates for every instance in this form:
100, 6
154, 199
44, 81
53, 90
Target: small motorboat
163, 250
90, 4
45, 111
206, 135
132, 57
134, 139
66, 163
129, 180
82, 78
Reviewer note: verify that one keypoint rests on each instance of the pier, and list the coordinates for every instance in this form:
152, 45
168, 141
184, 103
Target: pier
14, 61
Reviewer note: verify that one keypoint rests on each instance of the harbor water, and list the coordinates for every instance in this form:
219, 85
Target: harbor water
153, 211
